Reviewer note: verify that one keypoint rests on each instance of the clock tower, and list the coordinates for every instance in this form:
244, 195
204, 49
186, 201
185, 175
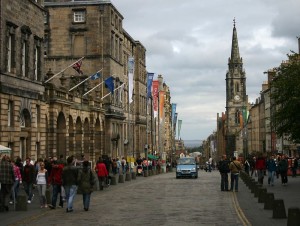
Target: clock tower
236, 98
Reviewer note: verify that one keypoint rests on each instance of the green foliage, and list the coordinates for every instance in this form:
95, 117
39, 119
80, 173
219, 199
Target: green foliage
285, 94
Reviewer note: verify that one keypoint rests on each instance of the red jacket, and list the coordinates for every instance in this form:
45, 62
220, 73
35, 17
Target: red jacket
101, 170
55, 176
260, 164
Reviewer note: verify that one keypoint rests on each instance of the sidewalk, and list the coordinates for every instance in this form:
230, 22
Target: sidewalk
255, 211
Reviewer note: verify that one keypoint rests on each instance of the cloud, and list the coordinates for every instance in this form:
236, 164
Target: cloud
189, 43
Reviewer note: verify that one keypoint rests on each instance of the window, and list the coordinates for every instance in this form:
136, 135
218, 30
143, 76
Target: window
37, 58
38, 115
79, 16
10, 48
25, 37
10, 114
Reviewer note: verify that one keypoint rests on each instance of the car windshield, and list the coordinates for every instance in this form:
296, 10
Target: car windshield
186, 161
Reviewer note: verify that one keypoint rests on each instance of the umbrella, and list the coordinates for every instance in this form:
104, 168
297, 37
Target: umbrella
4, 150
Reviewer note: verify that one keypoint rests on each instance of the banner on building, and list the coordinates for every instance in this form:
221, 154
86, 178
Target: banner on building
179, 128
130, 78
155, 97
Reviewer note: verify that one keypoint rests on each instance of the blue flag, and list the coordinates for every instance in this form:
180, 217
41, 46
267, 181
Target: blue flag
149, 84
109, 83
96, 76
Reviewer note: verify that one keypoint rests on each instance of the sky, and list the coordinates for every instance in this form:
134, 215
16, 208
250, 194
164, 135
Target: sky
188, 42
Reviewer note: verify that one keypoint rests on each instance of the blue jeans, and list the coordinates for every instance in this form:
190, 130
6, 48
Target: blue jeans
28, 189
15, 191
71, 191
55, 190
86, 200
271, 175
234, 182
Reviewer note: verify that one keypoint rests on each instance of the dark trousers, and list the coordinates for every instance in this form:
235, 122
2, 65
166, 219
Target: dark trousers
284, 178
28, 187
4, 193
224, 181
55, 190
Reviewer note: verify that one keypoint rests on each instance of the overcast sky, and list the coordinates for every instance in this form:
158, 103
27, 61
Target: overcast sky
188, 42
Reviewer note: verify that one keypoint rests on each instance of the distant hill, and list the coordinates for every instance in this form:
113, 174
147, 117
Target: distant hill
192, 143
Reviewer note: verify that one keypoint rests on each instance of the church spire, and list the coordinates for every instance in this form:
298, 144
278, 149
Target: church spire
235, 53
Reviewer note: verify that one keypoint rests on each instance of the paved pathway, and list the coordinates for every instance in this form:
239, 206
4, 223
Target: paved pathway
163, 200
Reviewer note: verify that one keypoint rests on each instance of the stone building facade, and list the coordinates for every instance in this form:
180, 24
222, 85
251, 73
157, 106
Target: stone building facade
93, 30
23, 109
50, 109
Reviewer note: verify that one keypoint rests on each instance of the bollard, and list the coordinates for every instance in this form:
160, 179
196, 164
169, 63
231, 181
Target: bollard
278, 209
293, 216
113, 180
128, 177
262, 192
256, 190
269, 201
121, 178
21, 204
133, 175
153, 172
146, 173
253, 186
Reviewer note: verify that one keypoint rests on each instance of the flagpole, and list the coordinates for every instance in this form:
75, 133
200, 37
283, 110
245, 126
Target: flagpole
92, 89
84, 81
110, 92
63, 70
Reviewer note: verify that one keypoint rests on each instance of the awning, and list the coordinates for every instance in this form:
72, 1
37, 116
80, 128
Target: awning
4, 150
152, 156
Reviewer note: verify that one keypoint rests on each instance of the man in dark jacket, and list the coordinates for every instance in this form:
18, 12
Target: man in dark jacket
224, 170
28, 176
7, 179
69, 180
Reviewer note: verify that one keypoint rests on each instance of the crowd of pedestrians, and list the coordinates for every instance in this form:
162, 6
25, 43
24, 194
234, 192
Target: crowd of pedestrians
259, 166
62, 178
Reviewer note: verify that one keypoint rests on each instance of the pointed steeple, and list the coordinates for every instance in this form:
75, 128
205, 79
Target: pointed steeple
235, 52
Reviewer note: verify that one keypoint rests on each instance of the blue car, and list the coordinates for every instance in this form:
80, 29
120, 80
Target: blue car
186, 167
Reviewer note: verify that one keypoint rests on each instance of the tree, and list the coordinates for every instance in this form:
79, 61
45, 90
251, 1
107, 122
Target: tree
285, 96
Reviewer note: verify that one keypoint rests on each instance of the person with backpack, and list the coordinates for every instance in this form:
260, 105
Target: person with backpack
224, 170
235, 168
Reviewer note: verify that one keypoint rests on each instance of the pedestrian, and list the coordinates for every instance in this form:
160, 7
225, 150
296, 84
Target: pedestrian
271, 167
224, 170
114, 166
283, 168
7, 179
18, 181
41, 181
102, 173
235, 167
55, 180
69, 181
119, 165
260, 166
252, 166
123, 163
247, 166
295, 167
86, 181
29, 176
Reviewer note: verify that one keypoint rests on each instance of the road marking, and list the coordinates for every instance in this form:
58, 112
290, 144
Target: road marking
239, 211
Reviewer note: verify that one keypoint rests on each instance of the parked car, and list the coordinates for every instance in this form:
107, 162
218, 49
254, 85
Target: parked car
186, 167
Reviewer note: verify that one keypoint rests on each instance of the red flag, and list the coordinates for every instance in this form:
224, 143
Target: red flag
77, 67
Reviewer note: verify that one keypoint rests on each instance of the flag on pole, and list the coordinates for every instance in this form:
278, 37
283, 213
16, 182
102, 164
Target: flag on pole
95, 76
109, 83
77, 67
173, 112
149, 84
179, 128
155, 97
130, 78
